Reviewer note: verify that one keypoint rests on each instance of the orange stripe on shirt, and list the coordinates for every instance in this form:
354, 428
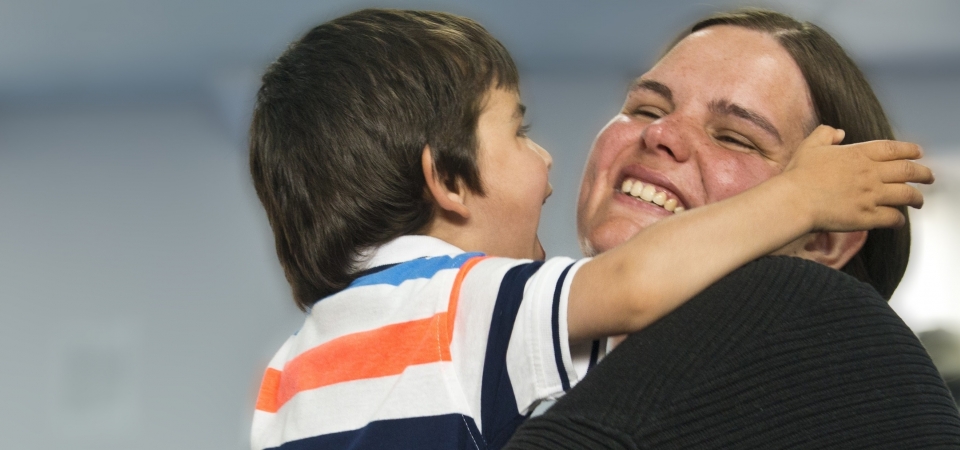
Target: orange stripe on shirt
455, 294
267, 399
376, 353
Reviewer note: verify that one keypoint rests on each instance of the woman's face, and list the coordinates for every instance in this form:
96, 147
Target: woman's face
721, 112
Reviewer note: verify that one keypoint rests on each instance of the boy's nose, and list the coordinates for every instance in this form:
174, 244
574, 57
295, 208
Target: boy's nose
543, 154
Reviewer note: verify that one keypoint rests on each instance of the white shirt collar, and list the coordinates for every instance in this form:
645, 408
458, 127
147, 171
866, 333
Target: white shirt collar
406, 248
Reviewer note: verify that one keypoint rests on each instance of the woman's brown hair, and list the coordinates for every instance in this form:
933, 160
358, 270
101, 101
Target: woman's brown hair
842, 98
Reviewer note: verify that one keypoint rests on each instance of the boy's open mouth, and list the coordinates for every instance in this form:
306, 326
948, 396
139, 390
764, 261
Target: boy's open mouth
651, 194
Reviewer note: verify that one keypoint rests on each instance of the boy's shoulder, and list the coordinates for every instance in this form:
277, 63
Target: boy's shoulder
421, 308
425, 257
410, 257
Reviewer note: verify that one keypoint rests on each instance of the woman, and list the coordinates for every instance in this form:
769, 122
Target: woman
783, 353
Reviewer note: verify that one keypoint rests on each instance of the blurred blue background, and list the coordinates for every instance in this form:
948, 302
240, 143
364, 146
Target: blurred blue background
140, 297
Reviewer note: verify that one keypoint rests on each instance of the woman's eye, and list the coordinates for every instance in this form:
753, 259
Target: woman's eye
649, 112
736, 141
523, 130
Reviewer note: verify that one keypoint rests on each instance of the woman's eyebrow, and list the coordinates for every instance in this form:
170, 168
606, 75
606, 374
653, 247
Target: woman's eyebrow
641, 84
728, 108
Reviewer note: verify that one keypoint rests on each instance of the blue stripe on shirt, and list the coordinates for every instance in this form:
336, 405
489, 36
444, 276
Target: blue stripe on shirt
417, 268
449, 431
555, 321
594, 354
498, 403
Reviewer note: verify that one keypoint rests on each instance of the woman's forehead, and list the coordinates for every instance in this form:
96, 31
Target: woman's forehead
734, 65
734, 54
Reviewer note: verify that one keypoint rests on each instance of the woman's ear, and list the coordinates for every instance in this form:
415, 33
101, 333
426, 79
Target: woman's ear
447, 199
833, 249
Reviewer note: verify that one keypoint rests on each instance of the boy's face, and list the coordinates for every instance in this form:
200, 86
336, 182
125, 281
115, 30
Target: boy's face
514, 173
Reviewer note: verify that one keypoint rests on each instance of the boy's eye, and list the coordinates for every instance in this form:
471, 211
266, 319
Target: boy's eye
523, 130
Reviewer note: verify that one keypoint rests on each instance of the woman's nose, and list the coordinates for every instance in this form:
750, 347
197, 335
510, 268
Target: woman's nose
670, 136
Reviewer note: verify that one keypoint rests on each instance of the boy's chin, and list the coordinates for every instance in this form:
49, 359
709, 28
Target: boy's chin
538, 253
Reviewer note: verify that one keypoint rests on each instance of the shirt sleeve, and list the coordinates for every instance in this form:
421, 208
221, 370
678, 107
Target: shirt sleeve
539, 349
510, 342
587, 354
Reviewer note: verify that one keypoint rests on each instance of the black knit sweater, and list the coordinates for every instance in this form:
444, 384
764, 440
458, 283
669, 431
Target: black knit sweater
783, 353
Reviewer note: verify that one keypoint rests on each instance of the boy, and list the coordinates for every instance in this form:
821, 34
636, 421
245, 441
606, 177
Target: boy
389, 151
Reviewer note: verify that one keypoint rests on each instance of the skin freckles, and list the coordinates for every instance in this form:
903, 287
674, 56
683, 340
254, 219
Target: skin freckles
695, 127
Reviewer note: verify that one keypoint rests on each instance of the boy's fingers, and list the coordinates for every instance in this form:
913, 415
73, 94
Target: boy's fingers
890, 150
904, 171
838, 136
823, 135
887, 217
901, 195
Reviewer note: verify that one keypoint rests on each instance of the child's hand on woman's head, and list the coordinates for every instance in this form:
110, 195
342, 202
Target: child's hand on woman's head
857, 186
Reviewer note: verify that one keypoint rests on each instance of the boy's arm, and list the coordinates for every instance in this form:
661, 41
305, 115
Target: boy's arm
824, 188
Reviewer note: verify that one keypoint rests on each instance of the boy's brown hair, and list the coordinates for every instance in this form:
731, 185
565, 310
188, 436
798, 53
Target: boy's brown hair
340, 124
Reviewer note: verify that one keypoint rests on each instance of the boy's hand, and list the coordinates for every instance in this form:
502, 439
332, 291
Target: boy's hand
857, 186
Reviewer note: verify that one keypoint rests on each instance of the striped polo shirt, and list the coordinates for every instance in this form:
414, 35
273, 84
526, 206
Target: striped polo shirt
431, 348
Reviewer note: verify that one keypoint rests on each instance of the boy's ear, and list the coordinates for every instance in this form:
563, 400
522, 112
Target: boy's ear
452, 201
832, 249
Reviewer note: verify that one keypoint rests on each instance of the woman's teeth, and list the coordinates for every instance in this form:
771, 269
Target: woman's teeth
649, 194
